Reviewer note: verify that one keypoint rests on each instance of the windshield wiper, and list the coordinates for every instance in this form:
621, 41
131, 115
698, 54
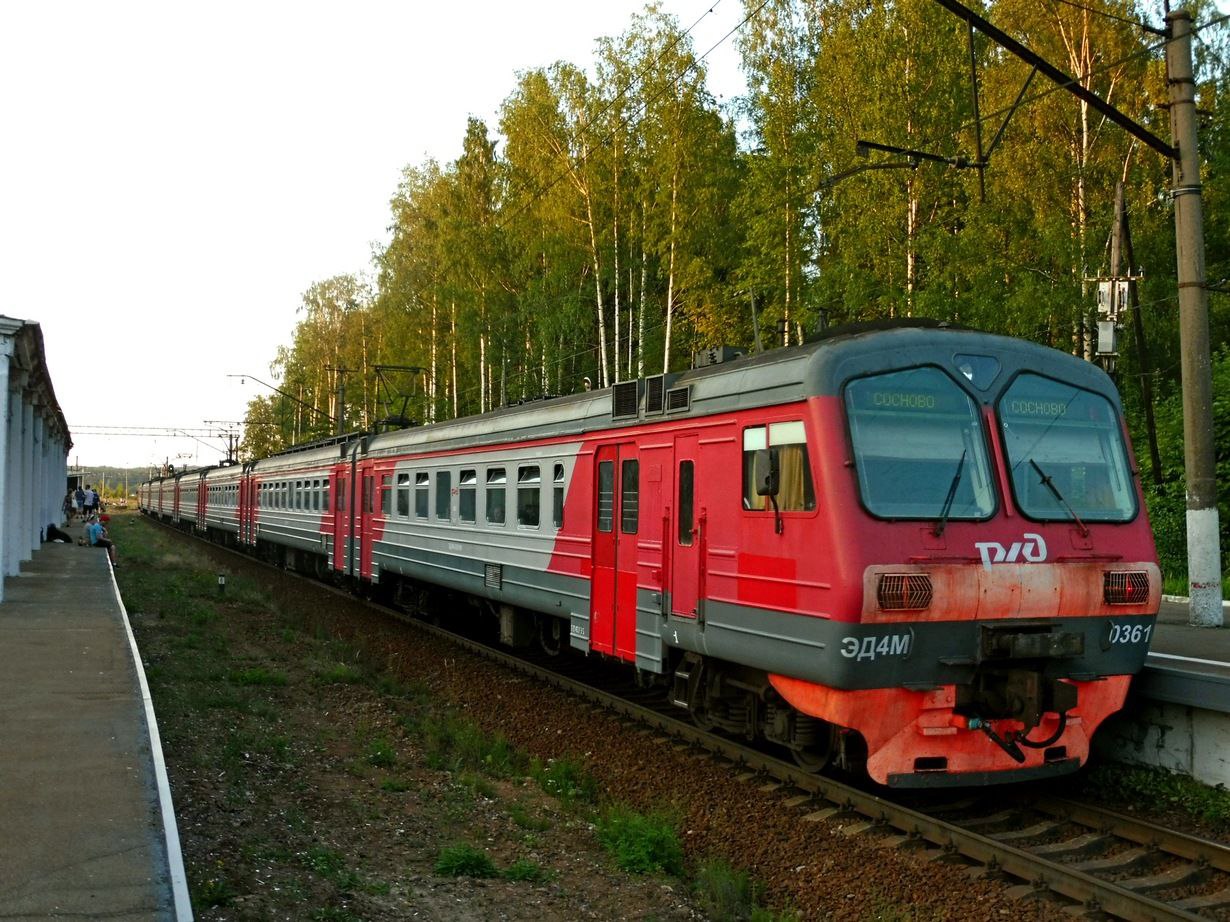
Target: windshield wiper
952, 494
1047, 482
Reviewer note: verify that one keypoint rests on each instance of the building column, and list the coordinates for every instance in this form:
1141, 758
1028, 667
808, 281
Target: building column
28, 539
38, 467
12, 475
6, 346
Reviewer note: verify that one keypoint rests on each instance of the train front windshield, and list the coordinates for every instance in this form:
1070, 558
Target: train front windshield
1066, 453
919, 447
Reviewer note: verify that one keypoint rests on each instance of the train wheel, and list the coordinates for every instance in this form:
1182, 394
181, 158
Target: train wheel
551, 635
703, 719
816, 755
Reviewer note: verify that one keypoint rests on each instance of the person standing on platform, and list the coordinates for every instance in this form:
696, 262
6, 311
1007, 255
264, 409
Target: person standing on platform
91, 502
79, 500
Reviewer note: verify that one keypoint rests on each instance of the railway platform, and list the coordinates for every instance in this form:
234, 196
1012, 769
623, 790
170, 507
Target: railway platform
1178, 711
85, 804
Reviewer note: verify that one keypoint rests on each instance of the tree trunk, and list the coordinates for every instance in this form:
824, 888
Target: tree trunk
453, 337
670, 272
640, 312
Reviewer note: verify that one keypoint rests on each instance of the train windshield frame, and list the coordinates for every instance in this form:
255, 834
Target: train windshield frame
920, 447
1065, 452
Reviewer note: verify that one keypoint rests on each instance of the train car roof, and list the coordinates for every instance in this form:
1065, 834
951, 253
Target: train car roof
787, 375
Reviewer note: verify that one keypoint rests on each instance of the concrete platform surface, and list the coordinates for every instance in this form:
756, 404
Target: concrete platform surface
83, 791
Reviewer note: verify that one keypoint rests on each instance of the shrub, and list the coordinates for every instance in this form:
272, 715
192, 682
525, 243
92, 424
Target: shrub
464, 861
641, 843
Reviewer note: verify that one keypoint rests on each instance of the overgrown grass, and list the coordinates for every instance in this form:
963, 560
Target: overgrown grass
464, 861
641, 843
199, 674
565, 780
524, 869
258, 675
455, 744
726, 894
1156, 786
380, 753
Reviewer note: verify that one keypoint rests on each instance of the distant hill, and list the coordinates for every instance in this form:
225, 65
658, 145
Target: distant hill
111, 481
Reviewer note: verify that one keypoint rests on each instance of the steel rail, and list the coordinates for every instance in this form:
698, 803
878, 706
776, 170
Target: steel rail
1092, 892
1193, 848
1084, 888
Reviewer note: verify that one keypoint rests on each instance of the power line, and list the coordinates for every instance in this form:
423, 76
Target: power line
1124, 19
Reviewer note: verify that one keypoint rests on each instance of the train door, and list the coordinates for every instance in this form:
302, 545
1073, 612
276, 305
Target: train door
616, 526
341, 518
202, 496
684, 539
249, 507
368, 507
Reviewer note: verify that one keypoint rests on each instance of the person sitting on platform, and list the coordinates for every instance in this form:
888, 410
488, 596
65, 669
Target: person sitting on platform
96, 536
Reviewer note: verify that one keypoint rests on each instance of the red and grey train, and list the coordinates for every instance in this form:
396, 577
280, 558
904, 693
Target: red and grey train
917, 549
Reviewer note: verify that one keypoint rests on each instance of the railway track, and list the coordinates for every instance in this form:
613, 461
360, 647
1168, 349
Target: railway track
1093, 862
1096, 861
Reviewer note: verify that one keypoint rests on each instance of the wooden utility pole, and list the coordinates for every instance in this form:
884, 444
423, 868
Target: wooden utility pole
1203, 525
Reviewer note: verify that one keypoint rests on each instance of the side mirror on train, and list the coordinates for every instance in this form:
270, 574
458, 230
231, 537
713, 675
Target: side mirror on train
766, 472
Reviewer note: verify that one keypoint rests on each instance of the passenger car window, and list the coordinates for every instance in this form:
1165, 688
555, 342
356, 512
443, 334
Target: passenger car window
1072, 438
403, 495
788, 442
444, 491
421, 484
528, 493
494, 499
606, 495
919, 448
468, 482
630, 492
557, 496
685, 502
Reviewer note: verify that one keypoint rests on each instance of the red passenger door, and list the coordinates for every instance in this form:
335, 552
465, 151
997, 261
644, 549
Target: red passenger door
367, 518
616, 525
341, 519
684, 536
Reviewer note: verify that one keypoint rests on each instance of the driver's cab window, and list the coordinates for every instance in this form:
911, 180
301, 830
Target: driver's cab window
788, 445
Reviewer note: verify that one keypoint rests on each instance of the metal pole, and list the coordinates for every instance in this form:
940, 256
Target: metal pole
1203, 526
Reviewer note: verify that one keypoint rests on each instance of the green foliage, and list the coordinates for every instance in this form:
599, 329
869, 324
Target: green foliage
340, 674
566, 780
329, 865
456, 744
522, 817
258, 675
464, 861
1167, 502
211, 892
380, 753
1163, 790
524, 869
641, 843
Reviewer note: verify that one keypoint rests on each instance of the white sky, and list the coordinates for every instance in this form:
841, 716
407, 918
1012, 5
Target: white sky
174, 176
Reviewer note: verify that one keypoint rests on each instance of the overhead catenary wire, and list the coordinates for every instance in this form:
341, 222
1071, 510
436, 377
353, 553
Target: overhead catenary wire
1144, 26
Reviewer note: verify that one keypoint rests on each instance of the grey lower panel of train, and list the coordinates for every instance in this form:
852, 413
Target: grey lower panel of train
839, 654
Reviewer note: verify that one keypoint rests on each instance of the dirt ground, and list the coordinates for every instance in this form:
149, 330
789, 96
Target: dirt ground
318, 773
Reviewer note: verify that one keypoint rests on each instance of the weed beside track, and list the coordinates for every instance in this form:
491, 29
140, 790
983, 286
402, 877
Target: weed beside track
310, 783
